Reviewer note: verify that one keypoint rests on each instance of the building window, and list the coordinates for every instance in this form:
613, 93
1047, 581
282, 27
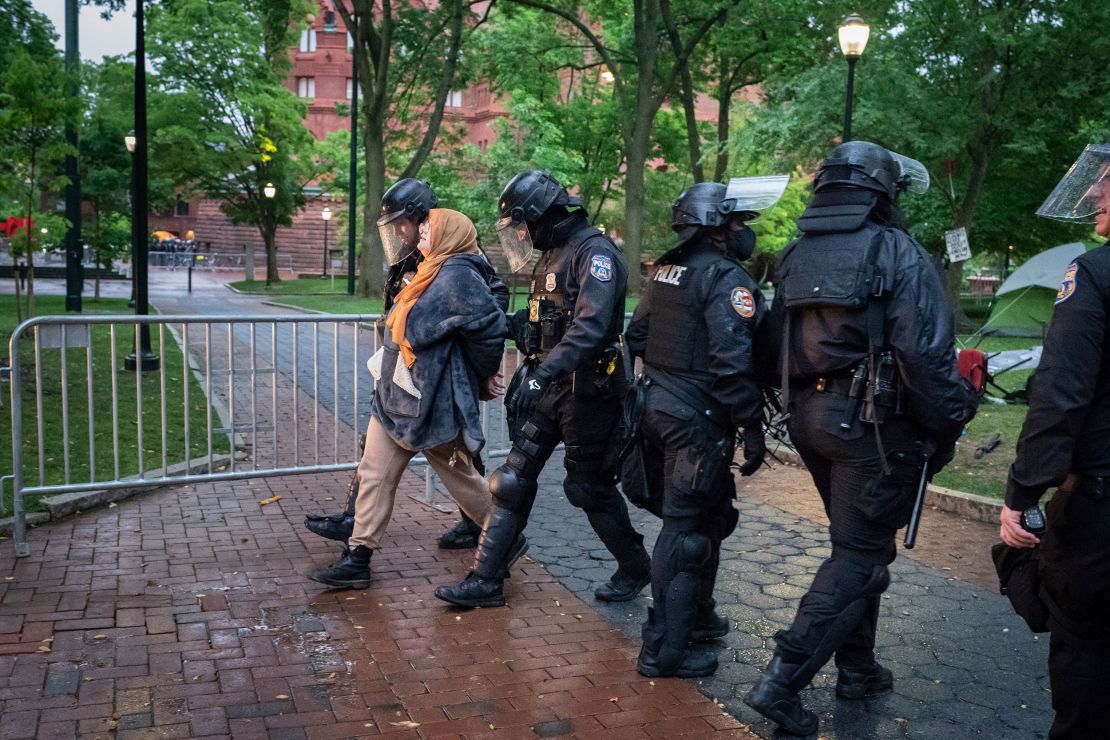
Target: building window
454, 99
350, 88
182, 207
308, 40
306, 87
329, 21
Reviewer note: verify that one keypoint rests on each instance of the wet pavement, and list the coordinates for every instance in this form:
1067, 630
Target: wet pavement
157, 609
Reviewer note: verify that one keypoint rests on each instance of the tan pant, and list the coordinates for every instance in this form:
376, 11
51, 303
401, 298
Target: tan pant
383, 463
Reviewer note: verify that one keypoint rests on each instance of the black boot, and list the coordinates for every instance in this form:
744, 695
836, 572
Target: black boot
473, 592
710, 624
350, 571
335, 527
659, 659
627, 582
857, 683
462, 536
774, 698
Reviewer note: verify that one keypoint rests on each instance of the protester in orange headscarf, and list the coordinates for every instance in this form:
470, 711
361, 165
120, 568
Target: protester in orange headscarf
445, 340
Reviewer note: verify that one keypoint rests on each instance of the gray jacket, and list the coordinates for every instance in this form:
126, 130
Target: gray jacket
457, 331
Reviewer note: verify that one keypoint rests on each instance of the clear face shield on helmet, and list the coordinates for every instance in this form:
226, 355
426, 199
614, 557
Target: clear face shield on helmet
914, 178
399, 236
751, 195
516, 242
1084, 191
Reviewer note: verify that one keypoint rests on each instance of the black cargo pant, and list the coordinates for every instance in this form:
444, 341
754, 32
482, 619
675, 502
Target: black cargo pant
1075, 570
688, 460
866, 507
583, 417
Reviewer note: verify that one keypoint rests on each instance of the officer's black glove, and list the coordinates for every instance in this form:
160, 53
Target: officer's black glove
755, 448
529, 394
518, 320
943, 453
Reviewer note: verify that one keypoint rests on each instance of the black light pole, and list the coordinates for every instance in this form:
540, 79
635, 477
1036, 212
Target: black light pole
852, 33
326, 215
142, 358
269, 191
75, 272
352, 188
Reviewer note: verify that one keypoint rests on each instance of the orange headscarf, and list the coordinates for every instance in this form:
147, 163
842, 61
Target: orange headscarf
449, 233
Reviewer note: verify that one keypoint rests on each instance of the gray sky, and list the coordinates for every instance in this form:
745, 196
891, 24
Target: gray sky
96, 36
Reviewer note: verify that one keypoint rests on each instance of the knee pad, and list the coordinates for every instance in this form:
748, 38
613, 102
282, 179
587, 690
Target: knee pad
585, 492
692, 552
510, 490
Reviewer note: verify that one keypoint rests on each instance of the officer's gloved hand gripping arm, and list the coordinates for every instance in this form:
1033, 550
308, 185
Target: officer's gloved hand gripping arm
732, 317
593, 310
920, 329
635, 336
1063, 391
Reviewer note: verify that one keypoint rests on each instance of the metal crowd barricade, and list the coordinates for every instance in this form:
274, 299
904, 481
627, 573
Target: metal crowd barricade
234, 398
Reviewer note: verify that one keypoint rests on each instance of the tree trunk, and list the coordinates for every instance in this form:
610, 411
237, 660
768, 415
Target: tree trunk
96, 281
724, 110
371, 281
18, 296
693, 139
635, 163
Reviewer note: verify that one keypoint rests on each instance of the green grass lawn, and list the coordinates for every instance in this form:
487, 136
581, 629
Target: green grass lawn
78, 404
332, 303
314, 285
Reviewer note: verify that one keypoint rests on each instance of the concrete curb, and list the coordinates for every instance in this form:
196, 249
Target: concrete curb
968, 505
68, 504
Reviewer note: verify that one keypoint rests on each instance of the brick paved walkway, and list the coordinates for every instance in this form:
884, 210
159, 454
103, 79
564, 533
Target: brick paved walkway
185, 613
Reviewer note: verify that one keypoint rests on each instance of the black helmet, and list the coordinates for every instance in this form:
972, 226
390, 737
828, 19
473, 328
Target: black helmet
414, 197
530, 194
404, 207
860, 165
700, 205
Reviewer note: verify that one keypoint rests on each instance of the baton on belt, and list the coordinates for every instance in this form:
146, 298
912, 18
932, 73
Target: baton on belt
918, 504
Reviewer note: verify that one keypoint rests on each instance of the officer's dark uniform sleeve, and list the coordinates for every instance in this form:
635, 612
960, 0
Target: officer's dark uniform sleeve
1062, 391
920, 329
498, 288
597, 299
635, 336
731, 346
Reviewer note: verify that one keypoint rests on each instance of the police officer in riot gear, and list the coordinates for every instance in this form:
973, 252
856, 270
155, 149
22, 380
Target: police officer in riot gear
698, 329
567, 389
404, 207
869, 372
1065, 442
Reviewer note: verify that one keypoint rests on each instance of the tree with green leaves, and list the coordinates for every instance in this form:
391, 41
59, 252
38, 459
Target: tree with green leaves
222, 121
407, 57
34, 110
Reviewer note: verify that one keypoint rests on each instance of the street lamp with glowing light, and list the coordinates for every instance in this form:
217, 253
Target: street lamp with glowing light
853, 33
326, 215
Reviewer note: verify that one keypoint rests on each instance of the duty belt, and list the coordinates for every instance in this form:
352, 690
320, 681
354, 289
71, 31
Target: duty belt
839, 385
1096, 486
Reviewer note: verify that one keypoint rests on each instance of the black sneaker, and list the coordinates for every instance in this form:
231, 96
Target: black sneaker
463, 536
473, 592
350, 571
710, 626
693, 663
335, 527
625, 585
859, 683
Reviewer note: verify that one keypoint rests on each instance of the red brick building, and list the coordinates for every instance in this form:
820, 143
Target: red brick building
321, 74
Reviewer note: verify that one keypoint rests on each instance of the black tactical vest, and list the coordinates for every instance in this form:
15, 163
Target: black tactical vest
677, 338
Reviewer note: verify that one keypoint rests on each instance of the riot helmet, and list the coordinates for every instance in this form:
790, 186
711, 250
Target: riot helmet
404, 206
529, 209
1081, 194
863, 165
711, 205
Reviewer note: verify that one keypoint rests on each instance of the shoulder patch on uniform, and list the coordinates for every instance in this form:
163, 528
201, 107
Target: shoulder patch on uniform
743, 302
601, 267
1068, 284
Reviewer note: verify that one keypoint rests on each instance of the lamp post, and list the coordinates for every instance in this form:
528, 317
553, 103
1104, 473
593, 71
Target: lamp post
75, 270
853, 33
142, 358
352, 192
326, 215
269, 191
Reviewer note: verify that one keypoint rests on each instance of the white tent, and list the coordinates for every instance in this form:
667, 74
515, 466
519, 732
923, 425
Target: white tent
1044, 269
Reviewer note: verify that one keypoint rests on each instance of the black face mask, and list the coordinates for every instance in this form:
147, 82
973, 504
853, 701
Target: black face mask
741, 244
